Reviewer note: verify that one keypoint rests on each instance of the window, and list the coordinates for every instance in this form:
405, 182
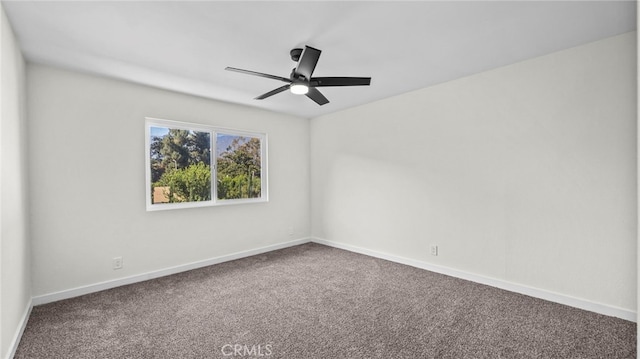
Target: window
182, 173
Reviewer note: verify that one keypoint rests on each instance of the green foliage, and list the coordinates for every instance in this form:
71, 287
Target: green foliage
190, 184
199, 147
181, 172
180, 164
238, 187
239, 169
179, 149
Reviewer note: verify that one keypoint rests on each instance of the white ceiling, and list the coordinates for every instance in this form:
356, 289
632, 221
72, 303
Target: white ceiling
185, 46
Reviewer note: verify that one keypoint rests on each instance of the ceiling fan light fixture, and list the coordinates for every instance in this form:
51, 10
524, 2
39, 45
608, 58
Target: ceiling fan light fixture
301, 80
299, 89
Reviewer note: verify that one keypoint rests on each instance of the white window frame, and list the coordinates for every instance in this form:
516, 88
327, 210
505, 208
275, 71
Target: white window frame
213, 132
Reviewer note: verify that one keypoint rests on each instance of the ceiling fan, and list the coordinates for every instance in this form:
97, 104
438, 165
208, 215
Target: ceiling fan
300, 82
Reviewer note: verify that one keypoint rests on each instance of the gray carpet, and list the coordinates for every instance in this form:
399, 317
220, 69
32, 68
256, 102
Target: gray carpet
312, 301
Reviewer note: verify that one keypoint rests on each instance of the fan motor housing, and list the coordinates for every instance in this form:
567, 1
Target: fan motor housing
295, 54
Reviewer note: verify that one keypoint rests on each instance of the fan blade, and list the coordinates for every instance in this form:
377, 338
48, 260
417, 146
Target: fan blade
254, 73
340, 81
316, 96
272, 92
307, 62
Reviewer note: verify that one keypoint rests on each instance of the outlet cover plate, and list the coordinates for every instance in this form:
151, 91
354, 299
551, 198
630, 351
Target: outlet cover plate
434, 250
117, 263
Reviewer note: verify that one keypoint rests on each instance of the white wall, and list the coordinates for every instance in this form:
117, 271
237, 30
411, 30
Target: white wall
525, 174
15, 284
88, 182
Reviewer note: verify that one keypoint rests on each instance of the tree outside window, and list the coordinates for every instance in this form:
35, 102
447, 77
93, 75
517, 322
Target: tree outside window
180, 175
238, 167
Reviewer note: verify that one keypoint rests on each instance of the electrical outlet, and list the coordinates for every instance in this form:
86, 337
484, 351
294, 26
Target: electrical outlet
434, 250
290, 230
117, 263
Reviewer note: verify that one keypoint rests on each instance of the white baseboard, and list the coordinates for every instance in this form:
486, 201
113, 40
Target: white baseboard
92, 288
494, 282
15, 341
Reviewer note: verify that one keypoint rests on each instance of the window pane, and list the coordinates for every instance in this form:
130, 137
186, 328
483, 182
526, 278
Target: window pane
180, 165
238, 166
